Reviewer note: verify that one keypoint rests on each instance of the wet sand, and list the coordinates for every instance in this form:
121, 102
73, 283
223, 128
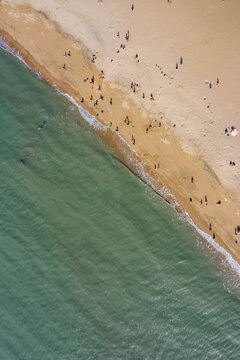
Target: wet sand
177, 135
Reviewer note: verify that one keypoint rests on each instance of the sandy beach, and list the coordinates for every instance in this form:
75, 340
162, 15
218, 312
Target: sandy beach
164, 76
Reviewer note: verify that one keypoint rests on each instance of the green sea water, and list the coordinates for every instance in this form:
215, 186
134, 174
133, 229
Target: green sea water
93, 263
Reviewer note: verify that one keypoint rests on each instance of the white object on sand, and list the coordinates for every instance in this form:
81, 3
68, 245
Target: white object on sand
234, 132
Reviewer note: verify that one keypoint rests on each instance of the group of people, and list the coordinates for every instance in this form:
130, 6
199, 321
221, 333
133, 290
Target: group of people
66, 54
210, 84
135, 85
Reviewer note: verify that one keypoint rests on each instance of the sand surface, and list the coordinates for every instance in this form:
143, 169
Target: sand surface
181, 133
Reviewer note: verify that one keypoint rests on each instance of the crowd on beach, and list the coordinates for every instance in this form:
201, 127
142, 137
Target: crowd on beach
97, 97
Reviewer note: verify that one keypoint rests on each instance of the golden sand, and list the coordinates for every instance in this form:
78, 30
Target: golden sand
180, 132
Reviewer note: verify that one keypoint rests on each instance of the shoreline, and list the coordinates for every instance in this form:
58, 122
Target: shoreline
158, 180
135, 168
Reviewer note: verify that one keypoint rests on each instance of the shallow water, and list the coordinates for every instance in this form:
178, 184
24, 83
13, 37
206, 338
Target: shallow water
93, 264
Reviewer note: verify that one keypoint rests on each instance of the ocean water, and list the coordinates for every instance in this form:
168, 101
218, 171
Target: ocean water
93, 263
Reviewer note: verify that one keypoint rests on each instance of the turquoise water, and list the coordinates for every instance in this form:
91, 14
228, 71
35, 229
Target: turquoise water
93, 264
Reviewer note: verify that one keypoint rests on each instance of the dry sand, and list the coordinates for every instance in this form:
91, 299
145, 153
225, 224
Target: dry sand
191, 140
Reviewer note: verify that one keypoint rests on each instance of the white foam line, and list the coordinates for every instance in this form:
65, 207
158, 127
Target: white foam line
4, 45
163, 192
233, 263
91, 119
